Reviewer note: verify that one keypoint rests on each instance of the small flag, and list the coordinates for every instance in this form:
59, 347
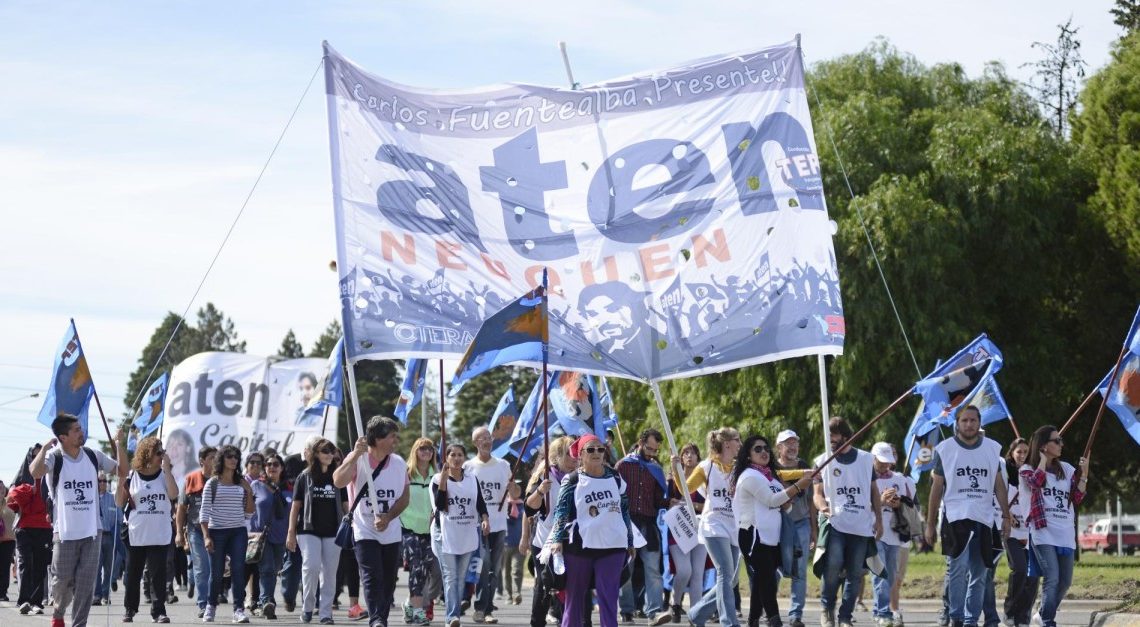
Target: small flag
150, 415
503, 421
330, 389
1124, 399
518, 332
988, 399
606, 400
71, 387
412, 389
955, 381
574, 399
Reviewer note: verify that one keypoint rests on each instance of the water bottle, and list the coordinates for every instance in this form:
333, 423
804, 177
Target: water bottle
559, 564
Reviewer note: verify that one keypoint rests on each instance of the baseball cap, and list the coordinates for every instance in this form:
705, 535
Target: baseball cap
786, 434
883, 452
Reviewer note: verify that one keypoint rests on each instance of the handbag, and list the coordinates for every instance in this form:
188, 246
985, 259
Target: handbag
345, 537
255, 548
907, 521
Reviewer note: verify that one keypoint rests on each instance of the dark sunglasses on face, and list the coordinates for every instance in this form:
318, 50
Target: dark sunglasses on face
230, 456
1057, 441
595, 449
273, 465
102, 481
760, 448
255, 462
328, 450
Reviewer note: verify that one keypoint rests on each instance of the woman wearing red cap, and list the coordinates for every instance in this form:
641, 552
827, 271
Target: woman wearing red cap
592, 529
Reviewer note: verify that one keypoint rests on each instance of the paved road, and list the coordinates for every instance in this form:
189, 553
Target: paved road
916, 613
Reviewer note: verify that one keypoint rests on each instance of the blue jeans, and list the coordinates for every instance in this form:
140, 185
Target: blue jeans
291, 576
989, 602
201, 559
267, 569
890, 556
454, 574
845, 552
654, 586
1056, 576
966, 581
492, 553
228, 543
725, 559
795, 535
106, 565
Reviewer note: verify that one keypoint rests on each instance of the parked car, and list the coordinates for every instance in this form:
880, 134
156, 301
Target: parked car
1101, 537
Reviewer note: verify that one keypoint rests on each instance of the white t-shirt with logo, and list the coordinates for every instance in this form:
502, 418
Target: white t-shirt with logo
389, 486
599, 522
493, 476
764, 498
717, 517
902, 486
459, 525
849, 494
1018, 508
969, 474
149, 521
76, 496
1057, 498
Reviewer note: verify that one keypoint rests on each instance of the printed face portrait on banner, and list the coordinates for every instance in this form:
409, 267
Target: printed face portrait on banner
679, 216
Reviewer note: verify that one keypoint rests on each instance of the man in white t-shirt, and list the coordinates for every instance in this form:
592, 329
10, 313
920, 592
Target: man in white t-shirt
965, 479
493, 476
73, 474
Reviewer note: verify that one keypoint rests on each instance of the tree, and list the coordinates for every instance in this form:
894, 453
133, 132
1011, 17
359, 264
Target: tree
1058, 74
1126, 14
324, 345
290, 347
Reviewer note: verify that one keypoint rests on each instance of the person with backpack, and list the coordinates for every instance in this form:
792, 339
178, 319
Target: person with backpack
313, 519
592, 532
28, 498
377, 532
147, 495
227, 502
271, 516
73, 471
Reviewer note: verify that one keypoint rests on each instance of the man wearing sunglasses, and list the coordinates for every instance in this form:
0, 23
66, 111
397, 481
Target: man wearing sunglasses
965, 480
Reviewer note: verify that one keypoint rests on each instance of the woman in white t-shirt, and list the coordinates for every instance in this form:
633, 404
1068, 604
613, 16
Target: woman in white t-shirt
460, 519
1022, 589
756, 501
717, 531
1054, 488
150, 489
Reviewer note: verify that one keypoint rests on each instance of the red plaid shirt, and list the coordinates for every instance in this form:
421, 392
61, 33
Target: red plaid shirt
1036, 479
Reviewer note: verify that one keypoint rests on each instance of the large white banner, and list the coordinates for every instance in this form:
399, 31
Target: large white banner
680, 215
247, 401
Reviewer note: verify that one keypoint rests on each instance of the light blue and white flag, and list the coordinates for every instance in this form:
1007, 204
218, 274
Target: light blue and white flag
71, 387
329, 393
503, 421
412, 389
150, 415
1124, 399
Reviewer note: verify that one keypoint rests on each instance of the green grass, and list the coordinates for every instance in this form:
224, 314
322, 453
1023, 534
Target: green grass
1094, 577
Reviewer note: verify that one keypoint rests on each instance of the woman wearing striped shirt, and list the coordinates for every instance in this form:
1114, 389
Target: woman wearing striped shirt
227, 501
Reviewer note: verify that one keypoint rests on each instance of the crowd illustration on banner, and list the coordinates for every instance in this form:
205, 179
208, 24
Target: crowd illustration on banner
228, 471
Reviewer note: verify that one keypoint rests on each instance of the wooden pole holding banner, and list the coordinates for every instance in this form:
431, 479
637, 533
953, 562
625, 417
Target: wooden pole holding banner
325, 423
95, 393
1013, 424
1073, 418
423, 411
350, 370
677, 469
832, 455
1104, 400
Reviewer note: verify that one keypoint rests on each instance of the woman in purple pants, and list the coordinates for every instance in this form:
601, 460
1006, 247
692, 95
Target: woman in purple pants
592, 532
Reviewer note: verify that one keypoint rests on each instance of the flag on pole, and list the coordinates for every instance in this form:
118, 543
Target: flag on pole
330, 390
71, 387
150, 415
606, 400
988, 398
412, 389
1124, 397
574, 400
503, 421
920, 442
518, 332
530, 412
954, 381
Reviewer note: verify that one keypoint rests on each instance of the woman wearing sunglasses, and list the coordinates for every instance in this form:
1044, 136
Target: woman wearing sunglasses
757, 500
227, 502
150, 489
270, 517
313, 520
593, 531
1054, 488
416, 520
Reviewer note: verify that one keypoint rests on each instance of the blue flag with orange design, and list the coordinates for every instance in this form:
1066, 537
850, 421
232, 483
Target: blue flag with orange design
150, 415
518, 332
1124, 399
412, 389
71, 387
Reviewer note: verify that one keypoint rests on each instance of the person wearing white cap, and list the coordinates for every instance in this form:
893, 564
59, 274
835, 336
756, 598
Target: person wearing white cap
891, 486
798, 531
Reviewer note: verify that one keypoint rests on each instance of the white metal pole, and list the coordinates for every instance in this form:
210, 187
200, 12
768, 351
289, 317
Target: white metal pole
673, 449
423, 407
350, 370
826, 414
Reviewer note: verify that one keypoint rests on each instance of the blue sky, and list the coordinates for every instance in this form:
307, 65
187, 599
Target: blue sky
131, 132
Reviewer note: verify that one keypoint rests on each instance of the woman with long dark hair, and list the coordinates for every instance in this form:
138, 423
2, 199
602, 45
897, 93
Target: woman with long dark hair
227, 501
150, 490
460, 517
689, 568
1022, 589
1054, 488
271, 517
757, 500
28, 498
317, 509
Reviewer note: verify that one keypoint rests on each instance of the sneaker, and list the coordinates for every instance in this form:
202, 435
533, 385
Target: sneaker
356, 612
201, 611
883, 621
676, 618
128, 618
846, 623
1036, 620
161, 619
327, 621
290, 606
898, 619
795, 621
306, 617
827, 619
639, 614
419, 617
453, 622
38, 610
408, 611
269, 611
626, 617
25, 608
479, 616
490, 619
661, 618
518, 599
553, 620
240, 617
208, 617
106, 601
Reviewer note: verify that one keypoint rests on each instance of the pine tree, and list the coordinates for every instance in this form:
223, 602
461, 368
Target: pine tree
1126, 14
290, 347
1057, 76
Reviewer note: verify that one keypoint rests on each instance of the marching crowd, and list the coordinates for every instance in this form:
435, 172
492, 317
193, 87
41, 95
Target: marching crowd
587, 524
